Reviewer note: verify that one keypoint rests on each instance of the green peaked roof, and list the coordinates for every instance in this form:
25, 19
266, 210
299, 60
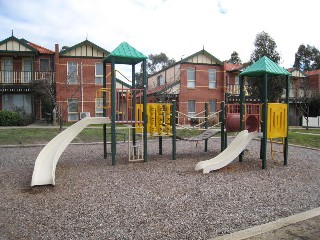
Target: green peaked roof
262, 66
125, 54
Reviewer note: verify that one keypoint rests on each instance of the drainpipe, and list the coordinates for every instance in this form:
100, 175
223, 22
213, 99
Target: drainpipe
81, 79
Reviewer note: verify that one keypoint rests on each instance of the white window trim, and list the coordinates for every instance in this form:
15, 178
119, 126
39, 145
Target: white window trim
71, 83
189, 81
98, 107
191, 114
95, 73
214, 82
73, 113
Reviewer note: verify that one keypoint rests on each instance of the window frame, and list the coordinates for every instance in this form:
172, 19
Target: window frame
98, 105
210, 106
189, 113
41, 60
98, 76
69, 77
73, 113
191, 83
212, 81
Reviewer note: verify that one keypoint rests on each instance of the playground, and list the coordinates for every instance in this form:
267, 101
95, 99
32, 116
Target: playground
159, 199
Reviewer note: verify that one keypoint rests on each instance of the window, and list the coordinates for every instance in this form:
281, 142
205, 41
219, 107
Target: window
98, 107
212, 78
236, 80
73, 114
160, 80
191, 108
191, 78
13, 101
212, 106
99, 73
44, 65
72, 73
227, 80
8, 70
27, 70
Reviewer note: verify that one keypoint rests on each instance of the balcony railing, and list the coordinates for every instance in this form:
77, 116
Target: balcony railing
234, 89
24, 77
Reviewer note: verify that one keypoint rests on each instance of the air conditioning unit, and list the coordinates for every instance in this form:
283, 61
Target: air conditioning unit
84, 114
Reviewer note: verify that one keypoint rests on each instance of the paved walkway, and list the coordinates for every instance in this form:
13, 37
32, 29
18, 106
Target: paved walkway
304, 226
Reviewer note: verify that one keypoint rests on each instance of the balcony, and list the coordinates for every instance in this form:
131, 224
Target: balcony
11, 81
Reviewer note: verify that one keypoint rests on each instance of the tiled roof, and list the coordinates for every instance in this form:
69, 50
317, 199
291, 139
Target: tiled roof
41, 50
313, 72
233, 66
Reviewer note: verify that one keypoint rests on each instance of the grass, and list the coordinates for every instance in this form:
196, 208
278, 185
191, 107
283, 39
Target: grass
23, 136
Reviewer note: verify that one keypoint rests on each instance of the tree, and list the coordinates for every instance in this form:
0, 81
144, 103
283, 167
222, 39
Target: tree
307, 58
46, 90
157, 62
266, 46
235, 59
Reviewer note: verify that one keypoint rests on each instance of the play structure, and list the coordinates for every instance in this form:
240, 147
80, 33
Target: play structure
128, 106
272, 116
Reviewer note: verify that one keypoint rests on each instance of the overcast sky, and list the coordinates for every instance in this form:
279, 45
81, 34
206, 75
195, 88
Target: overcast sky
178, 28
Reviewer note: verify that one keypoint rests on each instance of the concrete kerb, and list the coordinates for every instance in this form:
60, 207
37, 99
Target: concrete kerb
267, 227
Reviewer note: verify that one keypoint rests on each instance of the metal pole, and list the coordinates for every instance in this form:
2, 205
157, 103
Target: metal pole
286, 143
264, 123
174, 130
222, 118
104, 104
206, 125
133, 107
145, 120
160, 145
113, 113
242, 106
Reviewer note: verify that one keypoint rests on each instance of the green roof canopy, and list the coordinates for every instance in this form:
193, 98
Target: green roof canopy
125, 54
262, 66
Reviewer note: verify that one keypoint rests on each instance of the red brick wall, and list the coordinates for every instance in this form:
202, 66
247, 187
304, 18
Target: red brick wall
66, 91
201, 93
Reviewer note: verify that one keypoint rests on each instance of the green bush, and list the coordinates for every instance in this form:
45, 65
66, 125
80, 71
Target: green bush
15, 118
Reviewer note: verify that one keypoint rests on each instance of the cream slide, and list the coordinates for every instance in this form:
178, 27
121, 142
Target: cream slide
45, 165
229, 154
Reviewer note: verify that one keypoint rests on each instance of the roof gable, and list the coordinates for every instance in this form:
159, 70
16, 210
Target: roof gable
202, 57
125, 54
84, 49
262, 66
296, 73
13, 44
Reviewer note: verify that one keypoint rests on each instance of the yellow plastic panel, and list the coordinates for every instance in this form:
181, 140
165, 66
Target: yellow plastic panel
277, 120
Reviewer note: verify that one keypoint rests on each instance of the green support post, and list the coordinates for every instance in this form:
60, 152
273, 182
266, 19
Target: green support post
206, 125
145, 120
133, 107
242, 106
223, 119
160, 145
264, 123
113, 113
286, 143
104, 103
174, 130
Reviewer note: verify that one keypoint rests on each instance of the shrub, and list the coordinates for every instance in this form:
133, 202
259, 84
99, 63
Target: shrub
15, 118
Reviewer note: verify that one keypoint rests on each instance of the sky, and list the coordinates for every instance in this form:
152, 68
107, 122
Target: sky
178, 28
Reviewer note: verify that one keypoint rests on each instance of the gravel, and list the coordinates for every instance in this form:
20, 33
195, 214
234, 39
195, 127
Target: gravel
159, 199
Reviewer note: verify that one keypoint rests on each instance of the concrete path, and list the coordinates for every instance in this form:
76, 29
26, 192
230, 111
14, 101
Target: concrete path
304, 225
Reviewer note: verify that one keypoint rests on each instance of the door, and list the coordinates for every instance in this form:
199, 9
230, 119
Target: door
27, 70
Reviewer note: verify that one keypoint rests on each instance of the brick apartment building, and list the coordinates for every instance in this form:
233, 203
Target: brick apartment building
22, 62
193, 81
77, 74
